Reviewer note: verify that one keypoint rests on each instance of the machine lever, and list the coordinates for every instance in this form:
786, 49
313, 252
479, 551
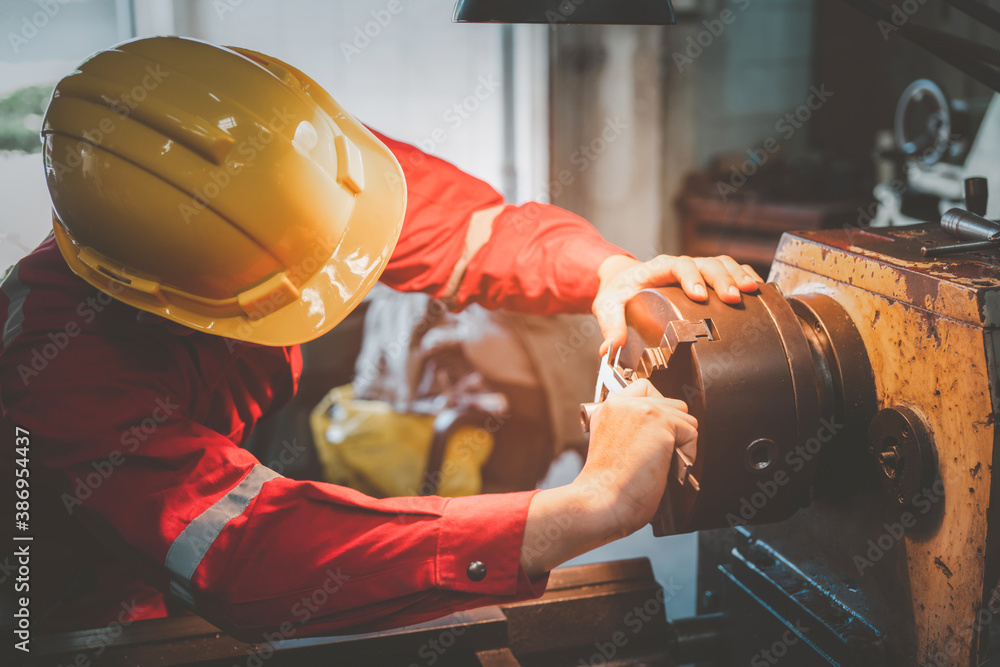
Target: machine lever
981, 234
941, 250
977, 194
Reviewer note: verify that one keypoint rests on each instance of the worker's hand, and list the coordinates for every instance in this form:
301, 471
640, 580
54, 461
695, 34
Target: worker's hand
622, 277
632, 441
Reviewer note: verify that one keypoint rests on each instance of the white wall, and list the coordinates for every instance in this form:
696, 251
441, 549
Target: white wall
41, 42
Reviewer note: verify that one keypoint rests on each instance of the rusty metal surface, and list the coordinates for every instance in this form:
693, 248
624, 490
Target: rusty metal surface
919, 572
887, 262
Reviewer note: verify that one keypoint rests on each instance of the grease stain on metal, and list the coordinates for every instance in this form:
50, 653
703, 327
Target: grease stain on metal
941, 566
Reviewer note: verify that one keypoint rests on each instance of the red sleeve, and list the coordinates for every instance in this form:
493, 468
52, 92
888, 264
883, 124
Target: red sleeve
248, 549
539, 259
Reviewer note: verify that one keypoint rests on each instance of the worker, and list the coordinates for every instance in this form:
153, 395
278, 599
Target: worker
213, 209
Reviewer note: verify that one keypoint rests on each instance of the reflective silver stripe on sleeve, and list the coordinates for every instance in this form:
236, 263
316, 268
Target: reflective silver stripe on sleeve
17, 292
193, 543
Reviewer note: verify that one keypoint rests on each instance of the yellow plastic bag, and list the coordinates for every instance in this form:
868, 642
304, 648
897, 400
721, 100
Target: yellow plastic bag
368, 446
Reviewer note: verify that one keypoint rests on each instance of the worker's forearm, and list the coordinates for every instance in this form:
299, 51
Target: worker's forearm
613, 266
563, 523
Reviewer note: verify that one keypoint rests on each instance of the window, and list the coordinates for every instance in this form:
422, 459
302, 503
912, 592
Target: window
44, 40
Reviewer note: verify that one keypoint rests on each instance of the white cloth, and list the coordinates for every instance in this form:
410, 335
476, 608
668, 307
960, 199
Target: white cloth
557, 353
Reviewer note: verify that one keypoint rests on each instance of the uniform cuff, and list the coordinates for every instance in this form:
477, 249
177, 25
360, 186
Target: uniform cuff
479, 546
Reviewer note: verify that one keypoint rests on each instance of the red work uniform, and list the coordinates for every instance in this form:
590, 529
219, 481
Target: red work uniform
140, 485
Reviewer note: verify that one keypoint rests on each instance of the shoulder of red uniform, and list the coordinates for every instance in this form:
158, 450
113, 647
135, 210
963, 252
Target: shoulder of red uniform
41, 295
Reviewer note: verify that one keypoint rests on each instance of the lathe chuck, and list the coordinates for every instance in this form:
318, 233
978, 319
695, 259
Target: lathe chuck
776, 385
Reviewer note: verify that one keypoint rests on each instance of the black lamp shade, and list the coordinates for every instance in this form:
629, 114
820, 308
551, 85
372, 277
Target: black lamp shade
605, 12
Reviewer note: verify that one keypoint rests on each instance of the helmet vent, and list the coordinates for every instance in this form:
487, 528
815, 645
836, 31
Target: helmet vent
173, 122
114, 276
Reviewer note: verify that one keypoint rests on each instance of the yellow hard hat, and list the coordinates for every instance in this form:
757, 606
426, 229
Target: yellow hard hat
219, 188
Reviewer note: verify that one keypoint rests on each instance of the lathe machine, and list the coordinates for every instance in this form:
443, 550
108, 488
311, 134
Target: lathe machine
851, 403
